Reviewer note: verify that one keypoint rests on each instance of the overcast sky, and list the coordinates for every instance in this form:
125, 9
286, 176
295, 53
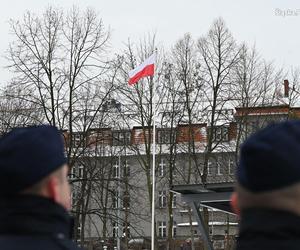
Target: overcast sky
272, 25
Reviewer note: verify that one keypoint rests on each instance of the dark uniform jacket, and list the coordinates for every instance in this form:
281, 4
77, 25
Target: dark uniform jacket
262, 229
34, 223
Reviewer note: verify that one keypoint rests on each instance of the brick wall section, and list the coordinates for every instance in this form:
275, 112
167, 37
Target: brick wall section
295, 113
66, 138
137, 135
290, 111
262, 110
183, 134
232, 131
103, 136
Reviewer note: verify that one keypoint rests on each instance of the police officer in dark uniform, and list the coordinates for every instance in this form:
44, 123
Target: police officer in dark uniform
268, 189
34, 190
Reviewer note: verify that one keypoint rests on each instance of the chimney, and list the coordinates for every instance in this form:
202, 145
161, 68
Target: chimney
286, 88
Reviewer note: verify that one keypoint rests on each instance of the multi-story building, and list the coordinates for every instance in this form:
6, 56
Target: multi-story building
112, 178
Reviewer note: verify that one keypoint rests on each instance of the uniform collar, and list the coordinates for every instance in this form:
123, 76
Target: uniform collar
261, 221
33, 215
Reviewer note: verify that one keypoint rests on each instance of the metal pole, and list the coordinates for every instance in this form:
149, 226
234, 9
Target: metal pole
119, 204
201, 226
153, 168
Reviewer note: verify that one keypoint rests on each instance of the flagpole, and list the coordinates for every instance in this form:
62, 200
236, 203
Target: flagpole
153, 166
143, 70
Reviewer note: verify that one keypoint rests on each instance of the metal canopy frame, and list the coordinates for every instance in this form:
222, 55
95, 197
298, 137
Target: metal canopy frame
212, 195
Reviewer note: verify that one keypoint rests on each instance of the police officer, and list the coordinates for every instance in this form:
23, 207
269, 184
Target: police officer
268, 189
34, 190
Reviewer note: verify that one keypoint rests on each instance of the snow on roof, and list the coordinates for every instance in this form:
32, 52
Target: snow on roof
211, 223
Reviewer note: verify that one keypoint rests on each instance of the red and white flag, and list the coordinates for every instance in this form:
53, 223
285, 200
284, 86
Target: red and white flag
143, 70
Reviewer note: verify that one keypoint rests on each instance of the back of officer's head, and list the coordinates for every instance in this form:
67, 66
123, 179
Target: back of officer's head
269, 167
32, 161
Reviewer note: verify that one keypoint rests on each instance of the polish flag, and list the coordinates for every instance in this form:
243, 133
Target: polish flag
143, 70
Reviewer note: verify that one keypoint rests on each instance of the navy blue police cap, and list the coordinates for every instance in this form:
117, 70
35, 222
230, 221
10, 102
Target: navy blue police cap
27, 155
270, 158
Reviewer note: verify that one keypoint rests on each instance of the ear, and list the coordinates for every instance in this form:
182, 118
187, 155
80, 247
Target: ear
53, 188
235, 203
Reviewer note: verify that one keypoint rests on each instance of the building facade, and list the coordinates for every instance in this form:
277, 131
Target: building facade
112, 179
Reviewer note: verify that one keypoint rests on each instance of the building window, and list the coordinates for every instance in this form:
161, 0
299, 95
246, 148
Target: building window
126, 230
174, 201
225, 133
80, 172
174, 231
162, 199
78, 139
78, 233
121, 138
162, 168
115, 201
72, 175
174, 168
164, 136
162, 229
126, 169
115, 172
73, 198
220, 134
209, 168
219, 172
230, 166
126, 201
115, 230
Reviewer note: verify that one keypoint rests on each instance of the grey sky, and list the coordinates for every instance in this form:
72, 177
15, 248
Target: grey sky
276, 36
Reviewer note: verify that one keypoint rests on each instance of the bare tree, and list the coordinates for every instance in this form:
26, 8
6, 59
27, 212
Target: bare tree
294, 89
61, 68
55, 57
219, 54
187, 89
257, 83
17, 112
